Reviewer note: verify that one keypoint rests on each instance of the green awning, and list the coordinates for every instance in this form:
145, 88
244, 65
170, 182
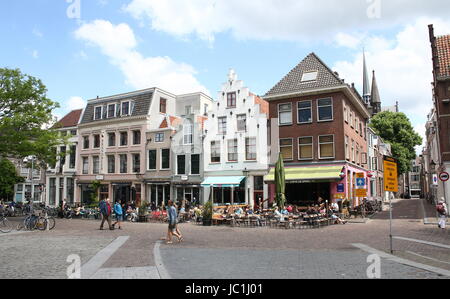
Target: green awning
309, 174
223, 181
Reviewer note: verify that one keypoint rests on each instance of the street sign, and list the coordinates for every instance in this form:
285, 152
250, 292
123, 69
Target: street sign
360, 182
444, 176
435, 180
361, 192
390, 174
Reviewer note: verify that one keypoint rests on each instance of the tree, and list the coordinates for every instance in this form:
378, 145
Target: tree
8, 178
396, 129
25, 116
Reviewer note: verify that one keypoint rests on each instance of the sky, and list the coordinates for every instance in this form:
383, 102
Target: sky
82, 49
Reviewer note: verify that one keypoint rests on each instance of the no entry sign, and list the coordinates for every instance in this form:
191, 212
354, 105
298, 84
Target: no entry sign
444, 176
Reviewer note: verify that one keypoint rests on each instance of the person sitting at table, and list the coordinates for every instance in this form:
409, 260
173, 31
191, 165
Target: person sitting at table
277, 214
239, 212
335, 206
289, 209
336, 218
311, 210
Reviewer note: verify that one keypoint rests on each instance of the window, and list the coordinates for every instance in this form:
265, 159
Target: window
85, 165
111, 110
304, 112
250, 149
325, 109
181, 164
159, 137
231, 100
123, 139
353, 151
86, 142
345, 114
136, 163
63, 156
136, 137
96, 164
374, 163
188, 136
72, 157
73, 132
347, 152
111, 139
215, 151
96, 141
357, 154
223, 125
309, 76
165, 159
351, 119
305, 148
285, 114
152, 159
125, 108
241, 122
111, 164
326, 147
163, 105
195, 164
356, 124
286, 149
361, 129
363, 158
98, 111
123, 163
232, 150
206, 107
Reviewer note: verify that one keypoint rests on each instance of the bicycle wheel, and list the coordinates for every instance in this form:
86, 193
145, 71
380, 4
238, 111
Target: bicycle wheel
5, 226
41, 223
51, 222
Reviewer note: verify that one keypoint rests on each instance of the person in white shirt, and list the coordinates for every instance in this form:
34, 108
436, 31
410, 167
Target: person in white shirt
442, 212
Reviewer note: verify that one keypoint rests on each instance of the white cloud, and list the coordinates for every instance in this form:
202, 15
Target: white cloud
403, 68
37, 33
118, 42
35, 54
280, 20
75, 103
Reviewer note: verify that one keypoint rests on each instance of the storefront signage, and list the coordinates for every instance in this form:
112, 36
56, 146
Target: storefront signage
340, 188
361, 192
339, 196
390, 174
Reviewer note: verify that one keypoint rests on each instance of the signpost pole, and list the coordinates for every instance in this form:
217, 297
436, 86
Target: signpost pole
390, 225
391, 185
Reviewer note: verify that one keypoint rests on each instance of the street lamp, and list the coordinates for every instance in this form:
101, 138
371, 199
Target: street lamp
247, 187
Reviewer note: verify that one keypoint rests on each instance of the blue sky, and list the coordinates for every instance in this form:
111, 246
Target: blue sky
183, 46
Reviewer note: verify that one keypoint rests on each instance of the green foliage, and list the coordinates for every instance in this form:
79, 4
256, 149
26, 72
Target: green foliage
143, 208
396, 129
94, 196
8, 179
208, 210
25, 115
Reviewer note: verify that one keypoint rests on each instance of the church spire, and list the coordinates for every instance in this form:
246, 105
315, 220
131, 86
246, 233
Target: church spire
375, 96
366, 86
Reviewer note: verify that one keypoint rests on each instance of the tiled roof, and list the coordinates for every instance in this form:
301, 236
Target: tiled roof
174, 121
443, 51
292, 82
142, 102
70, 120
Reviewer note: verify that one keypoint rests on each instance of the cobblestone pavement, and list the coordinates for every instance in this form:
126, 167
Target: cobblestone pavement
307, 253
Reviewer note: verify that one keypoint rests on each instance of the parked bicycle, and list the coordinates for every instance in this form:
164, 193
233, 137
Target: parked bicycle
5, 225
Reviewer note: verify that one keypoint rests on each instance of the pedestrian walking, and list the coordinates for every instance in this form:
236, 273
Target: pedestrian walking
173, 227
105, 210
119, 215
442, 213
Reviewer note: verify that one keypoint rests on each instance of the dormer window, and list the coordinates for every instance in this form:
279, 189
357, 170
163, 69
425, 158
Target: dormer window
163, 106
98, 112
111, 110
125, 108
310, 76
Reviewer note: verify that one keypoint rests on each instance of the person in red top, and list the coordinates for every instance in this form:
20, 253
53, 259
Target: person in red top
105, 210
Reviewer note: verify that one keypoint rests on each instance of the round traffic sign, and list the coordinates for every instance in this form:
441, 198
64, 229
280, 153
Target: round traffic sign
444, 176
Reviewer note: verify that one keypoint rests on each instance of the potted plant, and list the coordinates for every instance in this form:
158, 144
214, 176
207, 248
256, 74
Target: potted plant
143, 211
207, 213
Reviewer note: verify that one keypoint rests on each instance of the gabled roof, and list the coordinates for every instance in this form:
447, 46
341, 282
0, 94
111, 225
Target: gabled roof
292, 82
174, 121
443, 52
70, 120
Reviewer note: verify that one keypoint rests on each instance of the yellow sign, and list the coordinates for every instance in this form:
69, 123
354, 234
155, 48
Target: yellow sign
390, 174
361, 192
339, 196
360, 175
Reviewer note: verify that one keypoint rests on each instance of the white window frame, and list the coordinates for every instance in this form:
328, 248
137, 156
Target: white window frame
334, 147
279, 113
115, 164
256, 148
89, 142
219, 132
237, 122
163, 137
292, 147
129, 108
345, 113
93, 165
115, 111
347, 147
312, 148
161, 159
233, 153
332, 110
211, 151
148, 160
82, 165
115, 139
120, 164
188, 131
310, 110
95, 113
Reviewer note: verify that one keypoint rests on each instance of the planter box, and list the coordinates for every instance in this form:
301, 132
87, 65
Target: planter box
207, 222
143, 219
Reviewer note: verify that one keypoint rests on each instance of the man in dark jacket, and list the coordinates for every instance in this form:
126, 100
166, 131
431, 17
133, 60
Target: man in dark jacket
105, 210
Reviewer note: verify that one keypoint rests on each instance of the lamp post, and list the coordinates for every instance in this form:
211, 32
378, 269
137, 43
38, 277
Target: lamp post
247, 189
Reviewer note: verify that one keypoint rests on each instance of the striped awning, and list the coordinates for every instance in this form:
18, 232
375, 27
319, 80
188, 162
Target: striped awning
308, 174
223, 181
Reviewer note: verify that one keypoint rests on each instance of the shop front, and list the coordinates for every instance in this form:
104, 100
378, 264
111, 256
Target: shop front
158, 192
226, 189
